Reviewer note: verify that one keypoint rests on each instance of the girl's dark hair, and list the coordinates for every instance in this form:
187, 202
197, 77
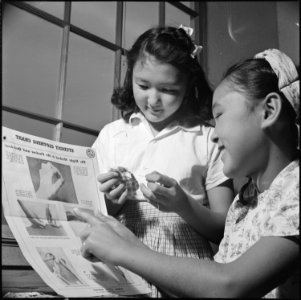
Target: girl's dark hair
256, 79
171, 46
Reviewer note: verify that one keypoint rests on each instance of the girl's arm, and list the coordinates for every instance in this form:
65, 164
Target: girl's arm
254, 274
210, 222
167, 193
262, 268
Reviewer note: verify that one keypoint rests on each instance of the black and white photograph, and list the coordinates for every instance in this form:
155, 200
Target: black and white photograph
192, 109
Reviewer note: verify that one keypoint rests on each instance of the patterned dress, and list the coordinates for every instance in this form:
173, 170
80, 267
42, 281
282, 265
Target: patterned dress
274, 212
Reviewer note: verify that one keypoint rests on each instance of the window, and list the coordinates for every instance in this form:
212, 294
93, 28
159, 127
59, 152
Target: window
61, 60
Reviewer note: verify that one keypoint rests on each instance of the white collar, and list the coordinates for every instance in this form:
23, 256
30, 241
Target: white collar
138, 117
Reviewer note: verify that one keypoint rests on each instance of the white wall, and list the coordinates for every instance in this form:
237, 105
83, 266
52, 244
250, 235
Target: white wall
288, 29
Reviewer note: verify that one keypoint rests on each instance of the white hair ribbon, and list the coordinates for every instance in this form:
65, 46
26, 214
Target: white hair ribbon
197, 48
188, 30
288, 79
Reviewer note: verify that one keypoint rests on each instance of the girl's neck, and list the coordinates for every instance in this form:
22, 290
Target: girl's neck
276, 162
156, 127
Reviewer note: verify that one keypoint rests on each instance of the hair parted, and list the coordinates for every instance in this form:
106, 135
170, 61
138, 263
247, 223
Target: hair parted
172, 46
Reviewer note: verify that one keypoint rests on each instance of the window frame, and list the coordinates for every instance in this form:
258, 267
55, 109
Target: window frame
198, 21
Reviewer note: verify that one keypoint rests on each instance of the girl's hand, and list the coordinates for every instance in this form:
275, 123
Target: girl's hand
112, 185
105, 238
164, 192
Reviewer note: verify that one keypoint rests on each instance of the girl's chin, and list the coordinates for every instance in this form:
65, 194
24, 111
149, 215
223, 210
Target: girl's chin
228, 168
231, 171
154, 118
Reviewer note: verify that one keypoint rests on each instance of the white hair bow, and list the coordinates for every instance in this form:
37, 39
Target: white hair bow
188, 30
197, 48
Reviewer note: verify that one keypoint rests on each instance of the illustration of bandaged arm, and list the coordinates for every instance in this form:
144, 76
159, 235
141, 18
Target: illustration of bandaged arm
51, 180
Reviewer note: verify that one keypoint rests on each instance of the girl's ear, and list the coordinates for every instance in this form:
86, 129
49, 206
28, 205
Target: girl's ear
271, 108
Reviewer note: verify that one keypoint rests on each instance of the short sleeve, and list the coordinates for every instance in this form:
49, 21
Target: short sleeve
284, 220
215, 175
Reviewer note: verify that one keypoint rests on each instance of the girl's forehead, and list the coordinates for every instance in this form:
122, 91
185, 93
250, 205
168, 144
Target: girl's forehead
226, 95
149, 65
221, 91
146, 60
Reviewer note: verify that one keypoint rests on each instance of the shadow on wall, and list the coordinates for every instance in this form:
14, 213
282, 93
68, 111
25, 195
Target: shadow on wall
239, 29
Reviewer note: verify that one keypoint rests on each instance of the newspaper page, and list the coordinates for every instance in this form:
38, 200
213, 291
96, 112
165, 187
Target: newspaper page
42, 181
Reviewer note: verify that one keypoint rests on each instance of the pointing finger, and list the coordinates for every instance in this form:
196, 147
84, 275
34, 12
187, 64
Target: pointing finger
85, 216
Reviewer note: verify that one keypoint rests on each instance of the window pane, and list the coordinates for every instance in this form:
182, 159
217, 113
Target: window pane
139, 16
73, 137
97, 17
31, 55
175, 17
123, 69
27, 125
54, 8
89, 87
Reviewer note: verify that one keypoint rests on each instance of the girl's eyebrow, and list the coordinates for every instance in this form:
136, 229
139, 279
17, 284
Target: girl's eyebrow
161, 84
139, 78
215, 105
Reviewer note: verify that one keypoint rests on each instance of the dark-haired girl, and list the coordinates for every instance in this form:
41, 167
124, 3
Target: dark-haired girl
256, 108
164, 140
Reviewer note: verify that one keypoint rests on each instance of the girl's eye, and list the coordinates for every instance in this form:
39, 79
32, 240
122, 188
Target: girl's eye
217, 116
168, 91
143, 87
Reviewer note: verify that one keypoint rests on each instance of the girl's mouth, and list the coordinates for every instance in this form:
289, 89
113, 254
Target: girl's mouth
154, 110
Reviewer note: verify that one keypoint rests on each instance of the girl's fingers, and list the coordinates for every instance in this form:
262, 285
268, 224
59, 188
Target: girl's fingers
123, 196
108, 185
103, 217
85, 216
157, 189
111, 221
84, 234
85, 252
148, 194
116, 192
156, 177
153, 199
103, 177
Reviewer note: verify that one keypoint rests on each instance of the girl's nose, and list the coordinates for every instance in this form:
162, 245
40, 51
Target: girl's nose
153, 97
214, 137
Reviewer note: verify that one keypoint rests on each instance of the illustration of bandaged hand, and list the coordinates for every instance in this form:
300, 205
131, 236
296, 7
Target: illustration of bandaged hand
49, 215
51, 180
118, 184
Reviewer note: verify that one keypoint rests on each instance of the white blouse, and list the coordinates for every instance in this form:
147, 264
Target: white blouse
186, 154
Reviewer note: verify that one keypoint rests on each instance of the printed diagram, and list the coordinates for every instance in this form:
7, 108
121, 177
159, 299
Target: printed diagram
41, 218
51, 180
57, 262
